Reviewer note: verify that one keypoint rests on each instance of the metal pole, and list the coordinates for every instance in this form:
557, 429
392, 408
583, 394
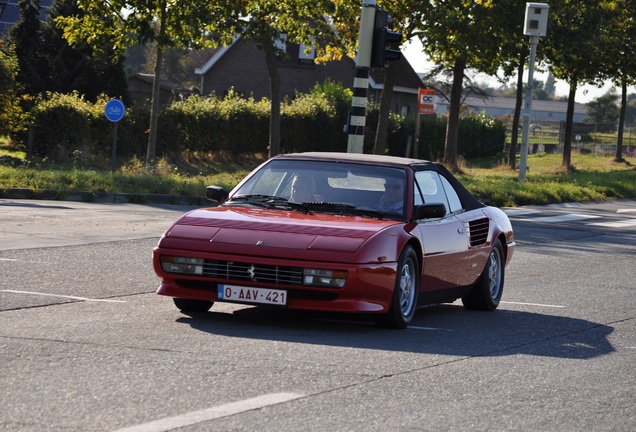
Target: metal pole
523, 161
361, 81
114, 146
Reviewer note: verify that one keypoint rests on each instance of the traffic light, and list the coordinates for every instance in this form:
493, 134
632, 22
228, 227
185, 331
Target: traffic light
383, 40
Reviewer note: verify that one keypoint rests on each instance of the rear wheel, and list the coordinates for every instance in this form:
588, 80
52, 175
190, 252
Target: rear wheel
486, 294
189, 305
405, 292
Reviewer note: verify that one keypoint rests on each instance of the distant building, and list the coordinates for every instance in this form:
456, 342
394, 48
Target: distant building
542, 110
140, 89
10, 14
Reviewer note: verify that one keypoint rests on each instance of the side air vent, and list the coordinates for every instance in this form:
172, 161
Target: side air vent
478, 231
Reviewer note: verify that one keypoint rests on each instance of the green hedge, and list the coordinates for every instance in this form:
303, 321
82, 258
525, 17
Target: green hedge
65, 124
479, 136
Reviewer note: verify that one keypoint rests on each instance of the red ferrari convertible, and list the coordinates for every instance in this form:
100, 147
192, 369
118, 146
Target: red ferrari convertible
339, 232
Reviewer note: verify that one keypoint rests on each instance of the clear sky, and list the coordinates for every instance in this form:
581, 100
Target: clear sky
419, 61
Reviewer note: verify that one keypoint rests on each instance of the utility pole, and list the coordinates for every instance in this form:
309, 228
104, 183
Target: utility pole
536, 21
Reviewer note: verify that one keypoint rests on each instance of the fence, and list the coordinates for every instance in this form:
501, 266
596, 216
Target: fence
587, 138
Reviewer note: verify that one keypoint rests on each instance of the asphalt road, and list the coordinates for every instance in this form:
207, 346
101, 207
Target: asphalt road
86, 345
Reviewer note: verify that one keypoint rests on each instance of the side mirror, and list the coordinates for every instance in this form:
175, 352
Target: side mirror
430, 211
216, 193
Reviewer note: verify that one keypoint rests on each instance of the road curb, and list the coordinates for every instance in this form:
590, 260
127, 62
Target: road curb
100, 197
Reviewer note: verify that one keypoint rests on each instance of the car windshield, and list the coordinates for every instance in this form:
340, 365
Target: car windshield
325, 186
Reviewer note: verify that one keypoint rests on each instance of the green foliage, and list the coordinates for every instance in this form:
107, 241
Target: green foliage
67, 127
311, 123
65, 123
604, 109
479, 135
10, 111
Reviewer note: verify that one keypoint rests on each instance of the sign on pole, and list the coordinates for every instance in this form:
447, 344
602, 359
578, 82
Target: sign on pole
114, 111
426, 101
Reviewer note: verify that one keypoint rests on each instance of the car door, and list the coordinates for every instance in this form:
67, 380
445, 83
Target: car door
444, 240
477, 230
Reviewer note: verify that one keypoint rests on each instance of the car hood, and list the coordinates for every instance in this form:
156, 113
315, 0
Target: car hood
273, 233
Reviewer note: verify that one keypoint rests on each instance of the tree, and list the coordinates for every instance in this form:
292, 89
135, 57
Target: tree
9, 106
168, 23
603, 109
618, 40
79, 69
576, 63
458, 34
26, 37
270, 25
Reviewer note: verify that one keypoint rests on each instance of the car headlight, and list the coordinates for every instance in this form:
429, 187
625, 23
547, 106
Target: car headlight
324, 278
184, 265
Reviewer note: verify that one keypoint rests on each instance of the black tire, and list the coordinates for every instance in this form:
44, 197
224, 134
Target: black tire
405, 292
189, 305
486, 293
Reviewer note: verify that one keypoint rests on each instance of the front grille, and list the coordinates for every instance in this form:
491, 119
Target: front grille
478, 231
238, 271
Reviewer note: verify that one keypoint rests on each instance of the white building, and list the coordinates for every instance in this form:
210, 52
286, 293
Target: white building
542, 110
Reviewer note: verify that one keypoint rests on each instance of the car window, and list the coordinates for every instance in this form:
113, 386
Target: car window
265, 182
358, 185
428, 189
455, 204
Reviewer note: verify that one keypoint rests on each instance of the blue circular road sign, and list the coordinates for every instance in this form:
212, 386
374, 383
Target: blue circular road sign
114, 110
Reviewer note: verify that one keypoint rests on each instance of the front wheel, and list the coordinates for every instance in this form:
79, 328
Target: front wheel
486, 294
405, 292
189, 305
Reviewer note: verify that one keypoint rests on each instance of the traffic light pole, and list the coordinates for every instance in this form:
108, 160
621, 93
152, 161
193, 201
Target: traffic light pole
357, 118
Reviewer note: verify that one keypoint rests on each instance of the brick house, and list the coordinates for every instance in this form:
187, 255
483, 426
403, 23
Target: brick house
140, 89
241, 66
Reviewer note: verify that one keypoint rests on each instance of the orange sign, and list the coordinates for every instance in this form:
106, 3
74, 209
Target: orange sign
426, 101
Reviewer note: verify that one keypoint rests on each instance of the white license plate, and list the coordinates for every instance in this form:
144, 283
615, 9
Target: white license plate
243, 294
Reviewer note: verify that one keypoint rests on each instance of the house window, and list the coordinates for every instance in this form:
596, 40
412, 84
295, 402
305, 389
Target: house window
306, 53
405, 110
281, 42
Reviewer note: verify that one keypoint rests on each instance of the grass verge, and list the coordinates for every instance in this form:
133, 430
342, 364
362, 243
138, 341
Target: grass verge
593, 179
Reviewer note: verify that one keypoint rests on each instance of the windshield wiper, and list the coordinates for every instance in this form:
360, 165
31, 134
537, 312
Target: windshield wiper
343, 209
268, 201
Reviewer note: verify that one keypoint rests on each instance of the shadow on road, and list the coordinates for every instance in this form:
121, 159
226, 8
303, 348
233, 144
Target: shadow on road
446, 329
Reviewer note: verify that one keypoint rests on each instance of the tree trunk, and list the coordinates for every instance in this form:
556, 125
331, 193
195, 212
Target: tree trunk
514, 136
274, 88
151, 154
382, 130
452, 127
569, 126
621, 123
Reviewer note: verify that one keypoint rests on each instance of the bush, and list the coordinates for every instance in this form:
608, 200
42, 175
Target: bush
310, 123
65, 123
479, 136
67, 127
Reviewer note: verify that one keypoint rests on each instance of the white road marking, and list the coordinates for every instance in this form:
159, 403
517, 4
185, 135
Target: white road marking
626, 210
516, 212
561, 218
194, 417
617, 224
64, 296
533, 304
